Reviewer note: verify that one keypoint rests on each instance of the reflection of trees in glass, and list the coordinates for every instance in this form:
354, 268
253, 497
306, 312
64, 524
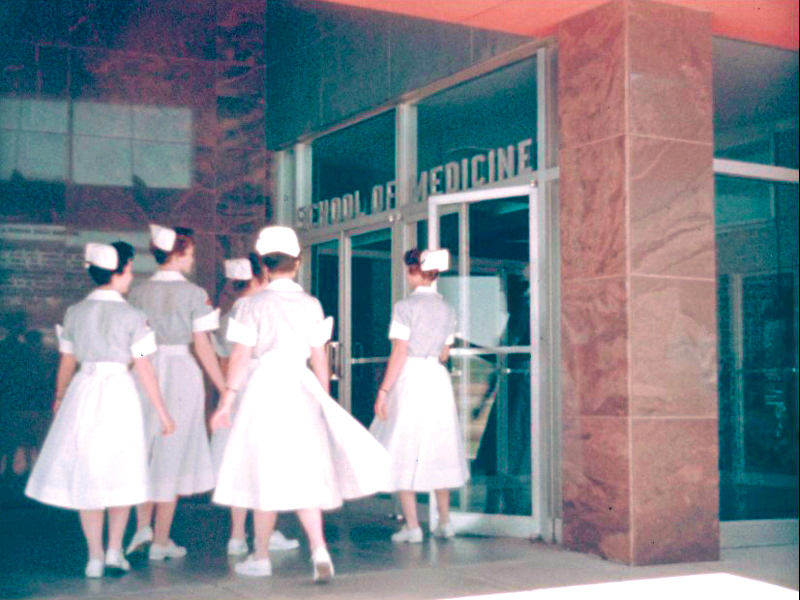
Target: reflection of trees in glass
770, 391
504, 455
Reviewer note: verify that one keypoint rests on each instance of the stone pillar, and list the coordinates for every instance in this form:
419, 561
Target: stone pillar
638, 284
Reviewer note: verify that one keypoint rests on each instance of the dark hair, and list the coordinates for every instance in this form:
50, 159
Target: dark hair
102, 276
255, 265
278, 262
184, 238
240, 285
413, 259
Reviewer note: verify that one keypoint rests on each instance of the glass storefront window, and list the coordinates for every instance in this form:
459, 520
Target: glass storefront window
757, 262
353, 172
478, 133
755, 103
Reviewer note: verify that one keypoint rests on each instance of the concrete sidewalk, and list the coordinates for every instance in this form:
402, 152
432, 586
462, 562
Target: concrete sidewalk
43, 555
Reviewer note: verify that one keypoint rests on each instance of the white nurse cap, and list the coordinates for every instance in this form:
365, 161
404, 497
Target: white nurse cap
101, 255
163, 238
435, 260
278, 239
239, 269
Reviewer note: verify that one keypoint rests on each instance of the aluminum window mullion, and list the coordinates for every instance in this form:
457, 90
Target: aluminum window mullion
736, 168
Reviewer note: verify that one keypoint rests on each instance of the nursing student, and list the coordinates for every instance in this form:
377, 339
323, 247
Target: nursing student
247, 278
94, 457
291, 446
181, 314
415, 412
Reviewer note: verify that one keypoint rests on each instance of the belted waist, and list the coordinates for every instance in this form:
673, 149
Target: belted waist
290, 360
434, 359
103, 368
173, 348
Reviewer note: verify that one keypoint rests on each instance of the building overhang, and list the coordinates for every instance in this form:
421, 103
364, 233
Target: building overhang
768, 22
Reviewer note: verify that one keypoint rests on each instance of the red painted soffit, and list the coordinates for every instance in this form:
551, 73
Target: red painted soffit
769, 22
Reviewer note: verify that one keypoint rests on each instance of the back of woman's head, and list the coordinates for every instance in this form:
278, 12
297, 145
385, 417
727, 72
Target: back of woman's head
280, 263
102, 276
413, 260
184, 239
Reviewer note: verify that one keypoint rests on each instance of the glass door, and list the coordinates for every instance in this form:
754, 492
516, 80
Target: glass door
370, 307
325, 278
492, 237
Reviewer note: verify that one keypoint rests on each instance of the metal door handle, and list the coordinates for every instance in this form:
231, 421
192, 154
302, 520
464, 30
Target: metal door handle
335, 360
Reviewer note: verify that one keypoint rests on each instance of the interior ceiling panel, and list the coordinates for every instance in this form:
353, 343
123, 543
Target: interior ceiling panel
770, 22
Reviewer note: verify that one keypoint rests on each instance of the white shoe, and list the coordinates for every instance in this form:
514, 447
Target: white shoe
168, 550
116, 562
254, 567
94, 568
279, 542
323, 566
139, 539
444, 531
412, 536
237, 547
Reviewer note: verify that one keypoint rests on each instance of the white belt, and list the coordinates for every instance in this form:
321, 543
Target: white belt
173, 348
279, 358
433, 359
103, 368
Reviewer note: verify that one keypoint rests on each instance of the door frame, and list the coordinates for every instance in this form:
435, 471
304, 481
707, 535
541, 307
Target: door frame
344, 238
540, 522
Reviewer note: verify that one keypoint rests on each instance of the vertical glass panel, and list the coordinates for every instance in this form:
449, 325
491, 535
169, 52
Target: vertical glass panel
325, 287
491, 367
758, 354
44, 115
42, 156
10, 111
370, 316
94, 118
353, 171
755, 103
162, 165
163, 124
479, 132
101, 161
741, 201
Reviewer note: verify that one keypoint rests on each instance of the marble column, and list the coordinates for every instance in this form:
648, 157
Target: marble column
638, 284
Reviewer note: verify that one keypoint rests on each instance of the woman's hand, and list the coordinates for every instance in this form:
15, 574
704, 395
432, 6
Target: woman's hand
167, 424
221, 418
380, 405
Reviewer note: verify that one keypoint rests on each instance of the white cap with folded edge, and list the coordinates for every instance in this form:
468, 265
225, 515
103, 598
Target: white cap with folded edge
163, 238
239, 269
278, 239
435, 260
101, 255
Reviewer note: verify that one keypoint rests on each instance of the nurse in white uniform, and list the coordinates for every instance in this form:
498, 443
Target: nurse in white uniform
416, 417
181, 314
94, 457
292, 447
246, 278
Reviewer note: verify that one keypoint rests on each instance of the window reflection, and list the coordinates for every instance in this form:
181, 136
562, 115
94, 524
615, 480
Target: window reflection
122, 145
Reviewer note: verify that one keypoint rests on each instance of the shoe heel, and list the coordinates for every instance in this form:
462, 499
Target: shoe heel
323, 572
323, 566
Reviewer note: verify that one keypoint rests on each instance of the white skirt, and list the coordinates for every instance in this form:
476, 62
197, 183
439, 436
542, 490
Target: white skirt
292, 446
94, 455
180, 463
422, 432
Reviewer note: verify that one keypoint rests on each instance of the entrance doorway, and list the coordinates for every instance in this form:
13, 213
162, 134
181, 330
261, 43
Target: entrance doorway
493, 283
